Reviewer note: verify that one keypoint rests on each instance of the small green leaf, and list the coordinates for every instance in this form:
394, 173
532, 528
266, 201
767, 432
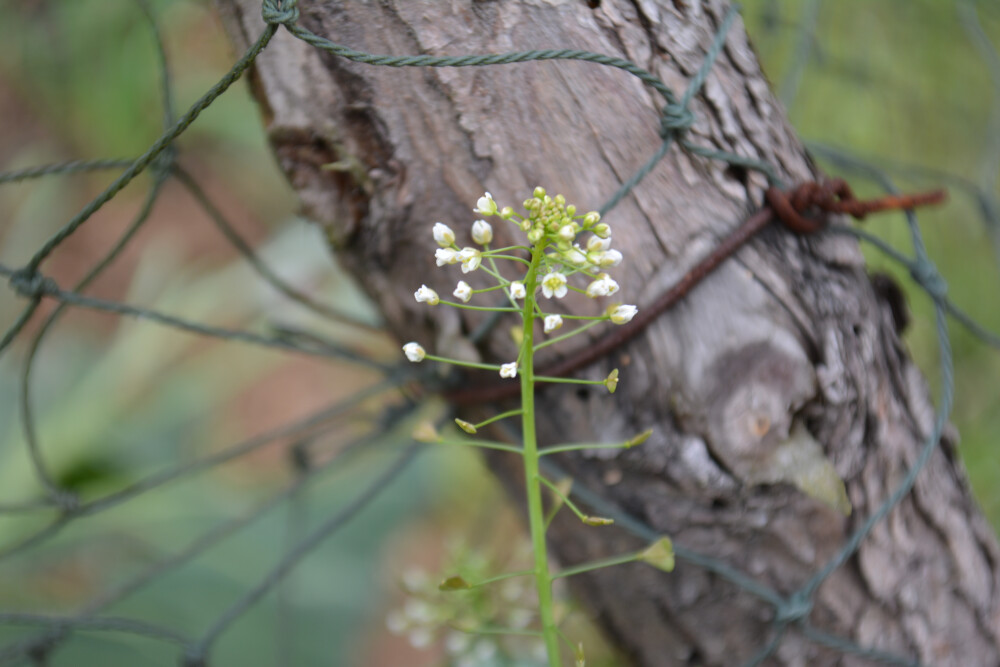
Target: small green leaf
454, 583
659, 554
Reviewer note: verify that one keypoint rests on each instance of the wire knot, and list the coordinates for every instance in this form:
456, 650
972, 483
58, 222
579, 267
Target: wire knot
926, 275
30, 284
68, 502
675, 119
795, 608
286, 14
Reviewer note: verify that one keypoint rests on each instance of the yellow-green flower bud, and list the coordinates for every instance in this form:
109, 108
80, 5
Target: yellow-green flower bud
506, 212
539, 192
603, 230
466, 426
536, 234
592, 218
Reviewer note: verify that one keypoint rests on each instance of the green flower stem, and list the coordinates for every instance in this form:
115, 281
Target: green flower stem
502, 415
510, 257
546, 378
502, 577
536, 514
485, 444
457, 362
569, 503
510, 247
487, 630
597, 565
576, 447
503, 285
491, 309
568, 334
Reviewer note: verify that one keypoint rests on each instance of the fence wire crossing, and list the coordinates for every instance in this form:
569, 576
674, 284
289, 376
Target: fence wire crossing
160, 159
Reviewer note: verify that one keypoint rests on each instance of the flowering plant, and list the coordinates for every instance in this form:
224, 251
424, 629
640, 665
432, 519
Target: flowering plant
549, 264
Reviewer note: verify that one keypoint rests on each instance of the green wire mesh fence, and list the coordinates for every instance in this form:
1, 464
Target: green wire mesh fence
160, 160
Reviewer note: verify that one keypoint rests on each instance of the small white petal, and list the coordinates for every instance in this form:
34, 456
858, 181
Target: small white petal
603, 286
443, 234
575, 256
610, 258
414, 352
396, 622
470, 258
463, 291
567, 233
623, 314
445, 256
485, 205
552, 322
517, 290
508, 370
457, 642
597, 244
420, 638
554, 285
482, 232
426, 295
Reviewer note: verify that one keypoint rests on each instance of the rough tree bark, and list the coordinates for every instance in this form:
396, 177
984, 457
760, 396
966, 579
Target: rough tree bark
789, 341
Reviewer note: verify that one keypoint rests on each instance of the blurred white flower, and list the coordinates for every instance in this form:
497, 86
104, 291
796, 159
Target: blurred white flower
463, 291
482, 232
623, 314
485, 205
414, 352
443, 234
552, 322
426, 295
508, 370
517, 290
446, 256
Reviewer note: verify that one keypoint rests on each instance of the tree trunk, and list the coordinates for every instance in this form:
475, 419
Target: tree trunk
786, 345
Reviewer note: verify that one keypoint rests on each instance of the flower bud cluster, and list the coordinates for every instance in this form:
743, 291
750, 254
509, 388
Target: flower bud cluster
553, 229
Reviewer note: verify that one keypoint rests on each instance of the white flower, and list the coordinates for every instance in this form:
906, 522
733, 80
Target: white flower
426, 295
482, 232
552, 322
567, 233
575, 256
463, 291
457, 642
517, 290
443, 234
470, 258
603, 286
610, 258
420, 638
414, 352
485, 205
446, 256
623, 314
597, 244
396, 622
554, 284
509, 370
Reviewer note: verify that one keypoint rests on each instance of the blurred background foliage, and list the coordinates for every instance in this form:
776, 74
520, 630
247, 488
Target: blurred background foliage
911, 85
